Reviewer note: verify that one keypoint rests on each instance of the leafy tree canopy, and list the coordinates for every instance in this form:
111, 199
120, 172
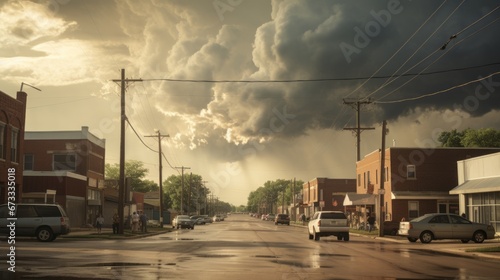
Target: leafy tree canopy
485, 138
135, 172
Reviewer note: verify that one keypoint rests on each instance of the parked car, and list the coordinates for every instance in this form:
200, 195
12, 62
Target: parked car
270, 217
207, 219
217, 218
445, 226
43, 221
198, 220
283, 219
326, 223
391, 227
182, 221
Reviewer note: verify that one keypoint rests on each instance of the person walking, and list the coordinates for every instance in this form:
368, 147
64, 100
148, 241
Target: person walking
371, 223
144, 222
99, 222
135, 222
116, 223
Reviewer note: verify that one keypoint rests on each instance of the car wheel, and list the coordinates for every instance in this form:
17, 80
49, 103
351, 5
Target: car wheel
192, 227
310, 236
411, 239
426, 237
479, 236
465, 240
346, 237
45, 234
316, 235
276, 223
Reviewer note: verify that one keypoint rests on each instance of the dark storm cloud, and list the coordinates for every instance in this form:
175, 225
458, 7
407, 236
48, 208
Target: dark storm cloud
305, 39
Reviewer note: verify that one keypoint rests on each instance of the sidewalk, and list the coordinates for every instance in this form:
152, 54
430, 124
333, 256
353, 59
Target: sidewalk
107, 233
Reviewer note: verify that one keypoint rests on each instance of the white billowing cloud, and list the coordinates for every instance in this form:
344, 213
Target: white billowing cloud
25, 21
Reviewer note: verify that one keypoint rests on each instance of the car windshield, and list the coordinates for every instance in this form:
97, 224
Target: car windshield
183, 217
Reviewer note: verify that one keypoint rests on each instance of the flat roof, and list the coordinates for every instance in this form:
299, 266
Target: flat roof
83, 134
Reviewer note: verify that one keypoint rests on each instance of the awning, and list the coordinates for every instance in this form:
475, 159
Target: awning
359, 199
491, 184
422, 195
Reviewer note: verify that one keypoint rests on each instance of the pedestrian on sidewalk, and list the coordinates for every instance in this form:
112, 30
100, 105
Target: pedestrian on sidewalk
371, 223
135, 222
116, 223
144, 222
99, 222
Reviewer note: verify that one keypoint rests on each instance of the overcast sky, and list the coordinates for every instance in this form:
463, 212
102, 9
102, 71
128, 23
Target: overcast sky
238, 135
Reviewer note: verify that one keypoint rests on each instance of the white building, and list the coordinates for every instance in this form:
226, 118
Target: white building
479, 189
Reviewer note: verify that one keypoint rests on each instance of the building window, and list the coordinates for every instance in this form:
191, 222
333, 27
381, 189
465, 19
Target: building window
413, 210
28, 162
2, 140
359, 180
376, 176
93, 194
411, 172
386, 177
64, 162
13, 145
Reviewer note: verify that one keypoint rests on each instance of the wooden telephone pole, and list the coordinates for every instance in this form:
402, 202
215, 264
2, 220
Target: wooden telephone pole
356, 104
160, 136
121, 181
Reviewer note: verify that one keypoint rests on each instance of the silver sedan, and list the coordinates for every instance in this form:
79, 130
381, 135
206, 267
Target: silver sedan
447, 226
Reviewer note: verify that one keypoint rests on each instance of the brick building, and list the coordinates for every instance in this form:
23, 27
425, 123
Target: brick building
65, 167
326, 194
12, 123
417, 181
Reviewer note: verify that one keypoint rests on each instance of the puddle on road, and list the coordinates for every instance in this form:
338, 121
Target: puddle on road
123, 264
300, 265
214, 256
266, 256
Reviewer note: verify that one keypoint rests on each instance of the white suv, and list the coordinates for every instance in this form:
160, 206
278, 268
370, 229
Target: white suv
326, 223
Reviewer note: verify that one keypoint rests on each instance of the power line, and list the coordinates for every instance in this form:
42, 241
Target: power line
437, 59
324, 79
139, 137
400, 48
438, 92
416, 51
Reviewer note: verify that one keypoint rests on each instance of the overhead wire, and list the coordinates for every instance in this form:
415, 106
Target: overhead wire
437, 59
389, 81
400, 48
439, 91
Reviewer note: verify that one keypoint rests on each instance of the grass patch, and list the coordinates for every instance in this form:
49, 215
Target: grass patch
494, 249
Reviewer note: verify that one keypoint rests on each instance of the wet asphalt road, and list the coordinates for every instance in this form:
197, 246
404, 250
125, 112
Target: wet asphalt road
243, 248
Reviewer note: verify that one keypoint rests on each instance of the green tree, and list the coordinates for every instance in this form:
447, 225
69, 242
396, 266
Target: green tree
135, 172
194, 194
273, 193
485, 138
451, 138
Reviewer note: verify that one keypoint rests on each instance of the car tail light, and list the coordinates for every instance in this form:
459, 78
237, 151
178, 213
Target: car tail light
319, 223
63, 221
410, 226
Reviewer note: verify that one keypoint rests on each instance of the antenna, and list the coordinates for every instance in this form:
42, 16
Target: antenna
23, 83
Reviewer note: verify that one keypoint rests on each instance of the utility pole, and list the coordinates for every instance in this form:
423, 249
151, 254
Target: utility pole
182, 187
356, 104
160, 136
121, 183
382, 180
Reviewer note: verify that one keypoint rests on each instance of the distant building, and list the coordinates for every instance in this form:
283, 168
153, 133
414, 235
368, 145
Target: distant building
12, 123
416, 181
478, 189
326, 194
66, 167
